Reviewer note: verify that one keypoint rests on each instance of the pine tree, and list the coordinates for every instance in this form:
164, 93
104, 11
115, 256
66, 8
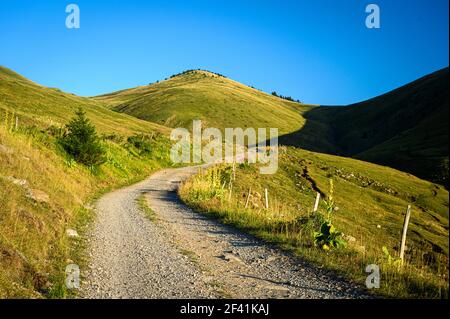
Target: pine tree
81, 141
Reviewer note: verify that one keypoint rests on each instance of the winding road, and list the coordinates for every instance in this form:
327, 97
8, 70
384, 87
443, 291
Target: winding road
183, 254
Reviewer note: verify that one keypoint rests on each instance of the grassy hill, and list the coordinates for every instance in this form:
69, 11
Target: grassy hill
371, 201
218, 101
406, 128
43, 192
45, 106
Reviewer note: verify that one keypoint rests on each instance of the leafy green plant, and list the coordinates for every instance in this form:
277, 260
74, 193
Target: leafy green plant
81, 141
328, 237
391, 261
70, 162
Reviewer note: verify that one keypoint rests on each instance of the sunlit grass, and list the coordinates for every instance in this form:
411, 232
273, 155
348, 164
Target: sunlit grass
33, 244
371, 203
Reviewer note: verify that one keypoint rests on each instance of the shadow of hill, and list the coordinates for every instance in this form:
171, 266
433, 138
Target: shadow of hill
317, 134
406, 129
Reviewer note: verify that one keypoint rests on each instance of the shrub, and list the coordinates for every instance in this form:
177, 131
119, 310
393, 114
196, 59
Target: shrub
80, 141
288, 98
142, 143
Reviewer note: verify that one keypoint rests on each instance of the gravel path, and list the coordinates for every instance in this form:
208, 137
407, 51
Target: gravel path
185, 255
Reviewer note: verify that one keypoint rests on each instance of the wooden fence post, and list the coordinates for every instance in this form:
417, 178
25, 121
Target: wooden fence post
405, 229
231, 191
316, 204
266, 195
17, 123
248, 197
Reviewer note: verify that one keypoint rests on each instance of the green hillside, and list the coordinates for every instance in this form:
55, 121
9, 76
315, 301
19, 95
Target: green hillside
44, 106
44, 192
371, 201
218, 101
406, 128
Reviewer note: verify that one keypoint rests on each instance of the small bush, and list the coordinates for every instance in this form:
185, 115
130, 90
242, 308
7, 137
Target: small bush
80, 141
142, 143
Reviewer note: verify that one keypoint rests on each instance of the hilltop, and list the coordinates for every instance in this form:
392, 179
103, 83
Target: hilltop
406, 128
218, 101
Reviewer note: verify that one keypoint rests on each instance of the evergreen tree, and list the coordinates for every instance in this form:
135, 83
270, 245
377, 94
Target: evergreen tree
81, 141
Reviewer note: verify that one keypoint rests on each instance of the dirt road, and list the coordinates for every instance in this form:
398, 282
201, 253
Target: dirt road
182, 254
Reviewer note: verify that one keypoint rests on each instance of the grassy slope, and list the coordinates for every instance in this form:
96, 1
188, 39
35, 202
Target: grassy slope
406, 128
33, 247
223, 103
349, 130
367, 195
45, 106
218, 101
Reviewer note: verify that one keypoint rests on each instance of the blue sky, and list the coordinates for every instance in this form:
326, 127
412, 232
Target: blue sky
317, 51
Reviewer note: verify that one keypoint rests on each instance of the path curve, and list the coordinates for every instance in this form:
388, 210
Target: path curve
183, 254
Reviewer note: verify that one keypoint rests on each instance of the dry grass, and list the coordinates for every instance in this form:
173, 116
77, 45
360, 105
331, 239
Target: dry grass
33, 246
372, 214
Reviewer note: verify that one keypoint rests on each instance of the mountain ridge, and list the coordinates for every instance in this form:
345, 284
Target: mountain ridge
406, 128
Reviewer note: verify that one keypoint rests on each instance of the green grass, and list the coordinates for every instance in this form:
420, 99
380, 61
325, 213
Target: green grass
372, 201
33, 241
34, 248
406, 128
143, 205
42, 106
217, 101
